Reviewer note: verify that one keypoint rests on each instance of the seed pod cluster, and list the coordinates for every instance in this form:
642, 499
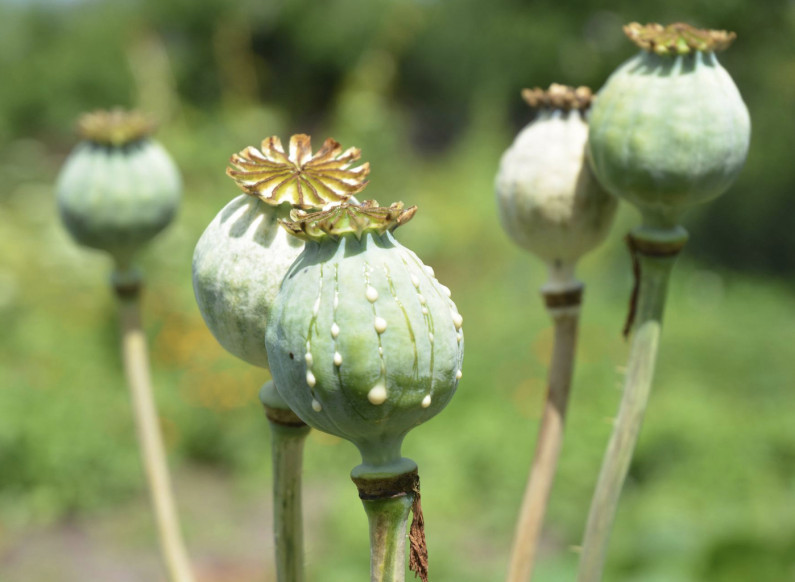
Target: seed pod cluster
242, 256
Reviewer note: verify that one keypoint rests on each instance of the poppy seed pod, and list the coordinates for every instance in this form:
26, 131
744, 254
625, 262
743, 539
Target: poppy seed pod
364, 341
242, 256
669, 129
119, 187
549, 201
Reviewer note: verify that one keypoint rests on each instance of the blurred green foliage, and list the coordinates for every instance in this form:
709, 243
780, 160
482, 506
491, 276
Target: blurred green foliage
430, 91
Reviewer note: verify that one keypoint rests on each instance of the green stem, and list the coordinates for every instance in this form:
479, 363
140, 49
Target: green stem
287, 446
655, 270
288, 436
388, 518
136, 367
565, 316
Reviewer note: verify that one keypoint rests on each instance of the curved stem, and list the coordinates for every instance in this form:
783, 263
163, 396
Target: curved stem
549, 443
136, 368
654, 275
287, 446
388, 518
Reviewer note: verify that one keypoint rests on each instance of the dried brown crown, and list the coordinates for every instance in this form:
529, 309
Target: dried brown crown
299, 177
560, 97
347, 218
115, 127
678, 38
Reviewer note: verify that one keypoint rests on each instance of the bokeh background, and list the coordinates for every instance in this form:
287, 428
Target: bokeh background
429, 89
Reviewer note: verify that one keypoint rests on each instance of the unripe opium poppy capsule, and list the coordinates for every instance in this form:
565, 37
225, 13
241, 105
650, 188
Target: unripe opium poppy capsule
549, 201
669, 128
119, 187
364, 341
241, 258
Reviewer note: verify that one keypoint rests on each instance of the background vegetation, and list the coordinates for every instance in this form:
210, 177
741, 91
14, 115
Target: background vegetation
430, 91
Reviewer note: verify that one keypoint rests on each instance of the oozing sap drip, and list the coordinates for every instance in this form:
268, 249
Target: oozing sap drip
378, 393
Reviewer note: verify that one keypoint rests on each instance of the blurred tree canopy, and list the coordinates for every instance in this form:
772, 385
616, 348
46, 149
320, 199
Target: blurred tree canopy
429, 70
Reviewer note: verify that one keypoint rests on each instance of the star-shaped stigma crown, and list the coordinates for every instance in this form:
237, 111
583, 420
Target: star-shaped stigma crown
678, 38
560, 97
299, 177
347, 218
115, 127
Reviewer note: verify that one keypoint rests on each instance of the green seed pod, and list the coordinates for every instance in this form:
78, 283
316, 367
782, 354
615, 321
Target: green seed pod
669, 128
241, 258
364, 342
119, 187
549, 201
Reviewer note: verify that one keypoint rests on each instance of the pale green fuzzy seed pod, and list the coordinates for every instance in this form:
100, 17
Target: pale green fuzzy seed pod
116, 198
238, 265
668, 132
548, 199
365, 343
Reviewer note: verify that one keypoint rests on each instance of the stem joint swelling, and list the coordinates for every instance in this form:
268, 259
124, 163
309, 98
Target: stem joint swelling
650, 247
127, 284
284, 417
564, 298
387, 501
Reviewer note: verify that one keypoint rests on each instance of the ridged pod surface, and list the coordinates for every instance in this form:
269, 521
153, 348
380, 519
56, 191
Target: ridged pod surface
549, 201
364, 341
116, 195
242, 256
669, 129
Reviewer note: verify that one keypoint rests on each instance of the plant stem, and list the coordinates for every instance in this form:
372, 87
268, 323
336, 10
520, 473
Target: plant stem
388, 518
388, 496
656, 256
563, 307
288, 435
136, 367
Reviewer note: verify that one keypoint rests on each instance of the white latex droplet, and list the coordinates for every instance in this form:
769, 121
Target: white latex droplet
371, 293
377, 394
458, 321
380, 324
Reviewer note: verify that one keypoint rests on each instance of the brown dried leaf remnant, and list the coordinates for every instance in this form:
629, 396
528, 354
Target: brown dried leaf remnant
347, 218
678, 38
560, 97
299, 177
115, 127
